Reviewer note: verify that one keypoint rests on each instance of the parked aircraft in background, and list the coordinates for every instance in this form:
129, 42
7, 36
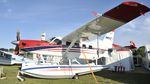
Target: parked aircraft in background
7, 58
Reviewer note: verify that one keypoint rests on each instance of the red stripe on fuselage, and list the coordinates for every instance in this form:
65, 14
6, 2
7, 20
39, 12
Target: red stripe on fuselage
34, 43
62, 69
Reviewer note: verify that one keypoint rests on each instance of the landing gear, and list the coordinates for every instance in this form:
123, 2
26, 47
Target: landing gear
76, 76
2, 74
20, 77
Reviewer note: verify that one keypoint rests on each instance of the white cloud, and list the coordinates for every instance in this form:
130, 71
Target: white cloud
147, 22
129, 27
8, 13
9, 10
137, 31
132, 25
139, 26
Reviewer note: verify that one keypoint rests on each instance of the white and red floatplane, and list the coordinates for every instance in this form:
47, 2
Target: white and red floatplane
76, 46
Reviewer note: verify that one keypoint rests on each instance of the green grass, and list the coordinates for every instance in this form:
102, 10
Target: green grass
103, 77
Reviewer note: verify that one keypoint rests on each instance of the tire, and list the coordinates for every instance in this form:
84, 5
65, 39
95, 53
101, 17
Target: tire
76, 76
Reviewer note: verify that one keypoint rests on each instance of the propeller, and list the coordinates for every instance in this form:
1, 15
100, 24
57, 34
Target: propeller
17, 49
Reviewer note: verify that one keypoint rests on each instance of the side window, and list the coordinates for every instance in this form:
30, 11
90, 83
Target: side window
90, 46
76, 45
74, 62
83, 46
102, 61
68, 43
13, 58
7, 56
1, 53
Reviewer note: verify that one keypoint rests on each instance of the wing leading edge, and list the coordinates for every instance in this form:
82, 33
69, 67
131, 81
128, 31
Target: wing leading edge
109, 21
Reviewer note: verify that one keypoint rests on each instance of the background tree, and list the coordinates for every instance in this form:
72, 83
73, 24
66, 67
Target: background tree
11, 50
141, 51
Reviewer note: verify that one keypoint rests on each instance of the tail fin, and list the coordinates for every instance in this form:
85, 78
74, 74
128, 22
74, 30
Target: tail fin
108, 40
96, 14
132, 44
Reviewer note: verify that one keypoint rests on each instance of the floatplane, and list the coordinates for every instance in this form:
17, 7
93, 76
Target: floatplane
75, 46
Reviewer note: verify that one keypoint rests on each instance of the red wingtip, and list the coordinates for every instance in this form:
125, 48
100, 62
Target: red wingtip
130, 3
127, 11
133, 3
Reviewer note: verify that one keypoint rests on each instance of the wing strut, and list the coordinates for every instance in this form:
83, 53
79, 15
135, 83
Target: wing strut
97, 48
70, 46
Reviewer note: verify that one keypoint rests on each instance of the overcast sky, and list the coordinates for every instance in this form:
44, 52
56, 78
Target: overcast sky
60, 17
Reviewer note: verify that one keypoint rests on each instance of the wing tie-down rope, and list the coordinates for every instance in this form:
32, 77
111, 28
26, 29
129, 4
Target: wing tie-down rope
90, 68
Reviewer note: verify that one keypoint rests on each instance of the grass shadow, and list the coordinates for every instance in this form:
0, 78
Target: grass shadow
125, 77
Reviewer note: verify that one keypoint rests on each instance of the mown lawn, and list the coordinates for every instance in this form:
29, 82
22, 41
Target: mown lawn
103, 77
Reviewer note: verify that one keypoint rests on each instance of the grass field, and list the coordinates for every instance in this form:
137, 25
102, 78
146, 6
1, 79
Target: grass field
103, 77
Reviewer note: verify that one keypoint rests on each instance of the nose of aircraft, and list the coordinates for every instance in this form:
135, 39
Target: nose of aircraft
15, 42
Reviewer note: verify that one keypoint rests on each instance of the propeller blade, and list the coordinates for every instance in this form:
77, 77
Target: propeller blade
18, 36
17, 49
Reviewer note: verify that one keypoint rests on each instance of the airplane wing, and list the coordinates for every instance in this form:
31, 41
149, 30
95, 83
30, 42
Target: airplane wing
109, 21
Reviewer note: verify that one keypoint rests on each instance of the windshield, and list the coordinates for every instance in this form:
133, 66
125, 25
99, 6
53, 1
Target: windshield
55, 40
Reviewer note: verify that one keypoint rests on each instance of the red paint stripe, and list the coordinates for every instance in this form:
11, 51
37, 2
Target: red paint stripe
62, 69
77, 51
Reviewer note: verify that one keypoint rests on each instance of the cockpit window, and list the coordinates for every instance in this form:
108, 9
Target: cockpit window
55, 40
52, 39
